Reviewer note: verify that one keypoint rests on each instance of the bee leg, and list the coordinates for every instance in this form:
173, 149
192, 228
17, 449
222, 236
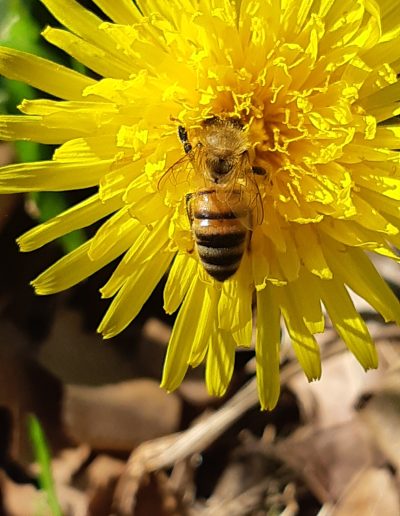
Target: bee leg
188, 198
250, 234
259, 171
183, 136
249, 242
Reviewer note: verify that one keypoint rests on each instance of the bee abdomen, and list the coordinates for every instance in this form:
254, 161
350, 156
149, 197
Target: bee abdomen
208, 238
220, 254
205, 213
219, 231
220, 272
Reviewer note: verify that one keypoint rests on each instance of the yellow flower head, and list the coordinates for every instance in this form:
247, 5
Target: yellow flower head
306, 91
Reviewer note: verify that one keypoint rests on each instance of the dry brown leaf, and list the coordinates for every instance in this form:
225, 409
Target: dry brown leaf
101, 477
72, 501
328, 459
245, 481
246, 502
67, 463
182, 479
26, 387
166, 451
26, 500
330, 401
151, 347
79, 357
103, 469
8, 204
372, 492
120, 416
381, 415
194, 391
21, 500
155, 497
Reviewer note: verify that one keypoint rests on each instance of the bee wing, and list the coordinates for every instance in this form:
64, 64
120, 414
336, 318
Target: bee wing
176, 174
255, 198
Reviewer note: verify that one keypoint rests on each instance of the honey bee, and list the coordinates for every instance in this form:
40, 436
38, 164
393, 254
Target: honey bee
223, 210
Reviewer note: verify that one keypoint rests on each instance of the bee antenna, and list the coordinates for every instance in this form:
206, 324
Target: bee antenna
183, 136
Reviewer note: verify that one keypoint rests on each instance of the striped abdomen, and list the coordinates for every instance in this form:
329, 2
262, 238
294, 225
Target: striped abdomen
220, 234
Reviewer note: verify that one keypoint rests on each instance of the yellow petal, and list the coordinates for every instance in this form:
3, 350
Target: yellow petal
390, 15
51, 176
382, 203
183, 333
33, 128
289, 261
206, 325
305, 291
386, 183
387, 136
82, 22
348, 323
273, 228
303, 342
133, 294
353, 235
88, 149
385, 112
87, 118
260, 251
234, 308
79, 216
384, 51
140, 209
382, 97
275, 275
267, 349
310, 251
180, 278
296, 14
370, 218
90, 55
220, 362
147, 243
76, 266
116, 226
50, 77
123, 11
356, 270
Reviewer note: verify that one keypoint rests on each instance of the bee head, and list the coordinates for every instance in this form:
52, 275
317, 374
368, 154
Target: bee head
219, 166
222, 144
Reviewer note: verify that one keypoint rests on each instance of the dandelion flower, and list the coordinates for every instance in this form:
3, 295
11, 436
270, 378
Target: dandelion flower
315, 87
